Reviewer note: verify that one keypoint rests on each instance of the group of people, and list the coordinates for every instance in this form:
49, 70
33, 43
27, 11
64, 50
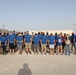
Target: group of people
36, 43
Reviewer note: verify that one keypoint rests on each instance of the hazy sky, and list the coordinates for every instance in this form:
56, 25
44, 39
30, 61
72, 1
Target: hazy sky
22, 15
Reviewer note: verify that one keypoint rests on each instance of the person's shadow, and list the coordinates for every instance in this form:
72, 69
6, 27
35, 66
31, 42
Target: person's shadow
25, 70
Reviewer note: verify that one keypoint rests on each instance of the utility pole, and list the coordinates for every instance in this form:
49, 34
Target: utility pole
3, 28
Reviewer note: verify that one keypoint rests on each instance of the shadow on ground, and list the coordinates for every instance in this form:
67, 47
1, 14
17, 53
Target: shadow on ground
25, 70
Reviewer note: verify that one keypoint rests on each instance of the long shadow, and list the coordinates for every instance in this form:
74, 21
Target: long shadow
25, 70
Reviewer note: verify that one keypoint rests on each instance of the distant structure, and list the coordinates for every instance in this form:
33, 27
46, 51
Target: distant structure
53, 31
49, 31
3, 30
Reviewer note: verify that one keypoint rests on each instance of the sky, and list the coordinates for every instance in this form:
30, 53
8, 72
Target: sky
23, 15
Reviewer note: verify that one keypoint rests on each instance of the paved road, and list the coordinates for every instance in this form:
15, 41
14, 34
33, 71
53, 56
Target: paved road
37, 64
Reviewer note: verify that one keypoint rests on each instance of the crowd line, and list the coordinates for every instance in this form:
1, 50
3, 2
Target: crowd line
45, 43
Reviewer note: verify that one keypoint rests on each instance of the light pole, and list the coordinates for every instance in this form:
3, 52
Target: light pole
3, 28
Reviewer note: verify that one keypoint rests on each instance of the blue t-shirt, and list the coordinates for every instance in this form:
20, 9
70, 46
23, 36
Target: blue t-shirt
44, 39
72, 39
19, 39
75, 38
39, 36
3, 41
11, 39
27, 38
59, 40
36, 39
56, 37
47, 37
14, 34
51, 39
0, 37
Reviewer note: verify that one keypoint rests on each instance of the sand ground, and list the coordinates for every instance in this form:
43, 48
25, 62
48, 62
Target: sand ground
37, 64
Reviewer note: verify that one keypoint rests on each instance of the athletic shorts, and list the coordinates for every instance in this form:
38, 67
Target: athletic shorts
43, 46
19, 47
52, 46
28, 45
4, 48
11, 46
75, 45
36, 46
47, 46
59, 44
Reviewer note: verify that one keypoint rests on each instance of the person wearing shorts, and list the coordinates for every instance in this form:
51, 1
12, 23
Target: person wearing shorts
0, 42
19, 40
59, 43
75, 43
3, 44
72, 41
67, 50
56, 36
47, 42
43, 44
28, 41
63, 43
36, 44
11, 41
51, 42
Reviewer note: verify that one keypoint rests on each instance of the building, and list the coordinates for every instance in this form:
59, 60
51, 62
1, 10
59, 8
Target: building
53, 31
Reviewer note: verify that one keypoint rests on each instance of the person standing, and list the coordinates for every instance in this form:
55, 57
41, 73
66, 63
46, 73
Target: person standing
36, 43
59, 43
43, 43
52, 43
28, 41
75, 43
3, 44
19, 40
67, 42
11, 42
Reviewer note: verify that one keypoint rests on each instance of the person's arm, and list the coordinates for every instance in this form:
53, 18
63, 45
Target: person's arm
24, 40
14, 41
8, 41
0, 43
41, 41
5, 43
54, 42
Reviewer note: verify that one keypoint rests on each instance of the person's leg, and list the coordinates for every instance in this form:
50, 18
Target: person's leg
13, 51
26, 48
45, 49
52, 51
34, 49
42, 48
75, 47
13, 48
10, 49
29, 48
3, 50
58, 49
61, 50
68, 49
18, 48
37, 47
21, 49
